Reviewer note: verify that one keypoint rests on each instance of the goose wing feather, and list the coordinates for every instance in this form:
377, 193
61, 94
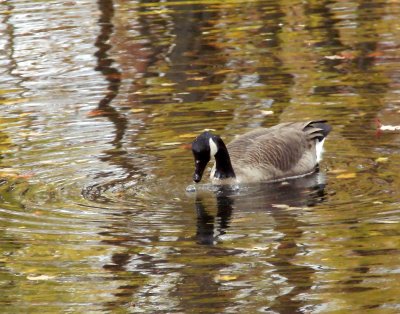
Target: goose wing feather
286, 148
281, 149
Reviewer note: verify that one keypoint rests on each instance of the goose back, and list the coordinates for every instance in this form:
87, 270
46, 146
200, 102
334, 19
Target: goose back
282, 151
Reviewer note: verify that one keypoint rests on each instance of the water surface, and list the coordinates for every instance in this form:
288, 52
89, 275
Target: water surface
99, 101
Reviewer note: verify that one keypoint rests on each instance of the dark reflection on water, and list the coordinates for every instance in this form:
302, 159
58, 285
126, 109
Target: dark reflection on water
276, 200
307, 191
110, 72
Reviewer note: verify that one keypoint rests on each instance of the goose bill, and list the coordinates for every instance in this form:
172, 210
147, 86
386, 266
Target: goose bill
199, 170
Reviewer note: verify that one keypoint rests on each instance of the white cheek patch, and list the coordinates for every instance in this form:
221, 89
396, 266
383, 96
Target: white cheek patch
319, 149
213, 148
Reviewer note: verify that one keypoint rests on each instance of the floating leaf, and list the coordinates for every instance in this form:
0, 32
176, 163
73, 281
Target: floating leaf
137, 110
286, 207
197, 78
375, 54
348, 55
40, 277
280, 206
334, 57
381, 159
390, 127
26, 175
225, 277
96, 113
347, 175
266, 112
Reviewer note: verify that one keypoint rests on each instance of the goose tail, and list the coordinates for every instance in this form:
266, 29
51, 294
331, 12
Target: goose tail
318, 131
321, 127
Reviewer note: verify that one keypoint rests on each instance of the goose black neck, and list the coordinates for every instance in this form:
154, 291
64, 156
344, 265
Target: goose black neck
223, 165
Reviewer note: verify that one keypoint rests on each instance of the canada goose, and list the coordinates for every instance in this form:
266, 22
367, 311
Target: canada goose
284, 151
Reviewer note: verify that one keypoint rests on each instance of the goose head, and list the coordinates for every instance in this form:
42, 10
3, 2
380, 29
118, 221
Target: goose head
206, 147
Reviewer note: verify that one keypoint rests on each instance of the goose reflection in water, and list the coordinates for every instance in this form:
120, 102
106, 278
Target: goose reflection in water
266, 198
284, 202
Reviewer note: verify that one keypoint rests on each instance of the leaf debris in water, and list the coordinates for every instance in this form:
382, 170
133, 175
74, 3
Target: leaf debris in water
381, 159
225, 277
40, 277
266, 112
137, 110
348, 175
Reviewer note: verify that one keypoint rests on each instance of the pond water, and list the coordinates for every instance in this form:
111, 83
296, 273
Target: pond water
99, 101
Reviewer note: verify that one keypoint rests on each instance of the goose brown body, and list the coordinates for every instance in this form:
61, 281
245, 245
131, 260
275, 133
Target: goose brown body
284, 151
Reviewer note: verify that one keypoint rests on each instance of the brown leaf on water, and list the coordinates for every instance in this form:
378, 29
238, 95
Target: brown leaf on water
187, 146
27, 175
375, 54
350, 55
114, 76
96, 113
347, 175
